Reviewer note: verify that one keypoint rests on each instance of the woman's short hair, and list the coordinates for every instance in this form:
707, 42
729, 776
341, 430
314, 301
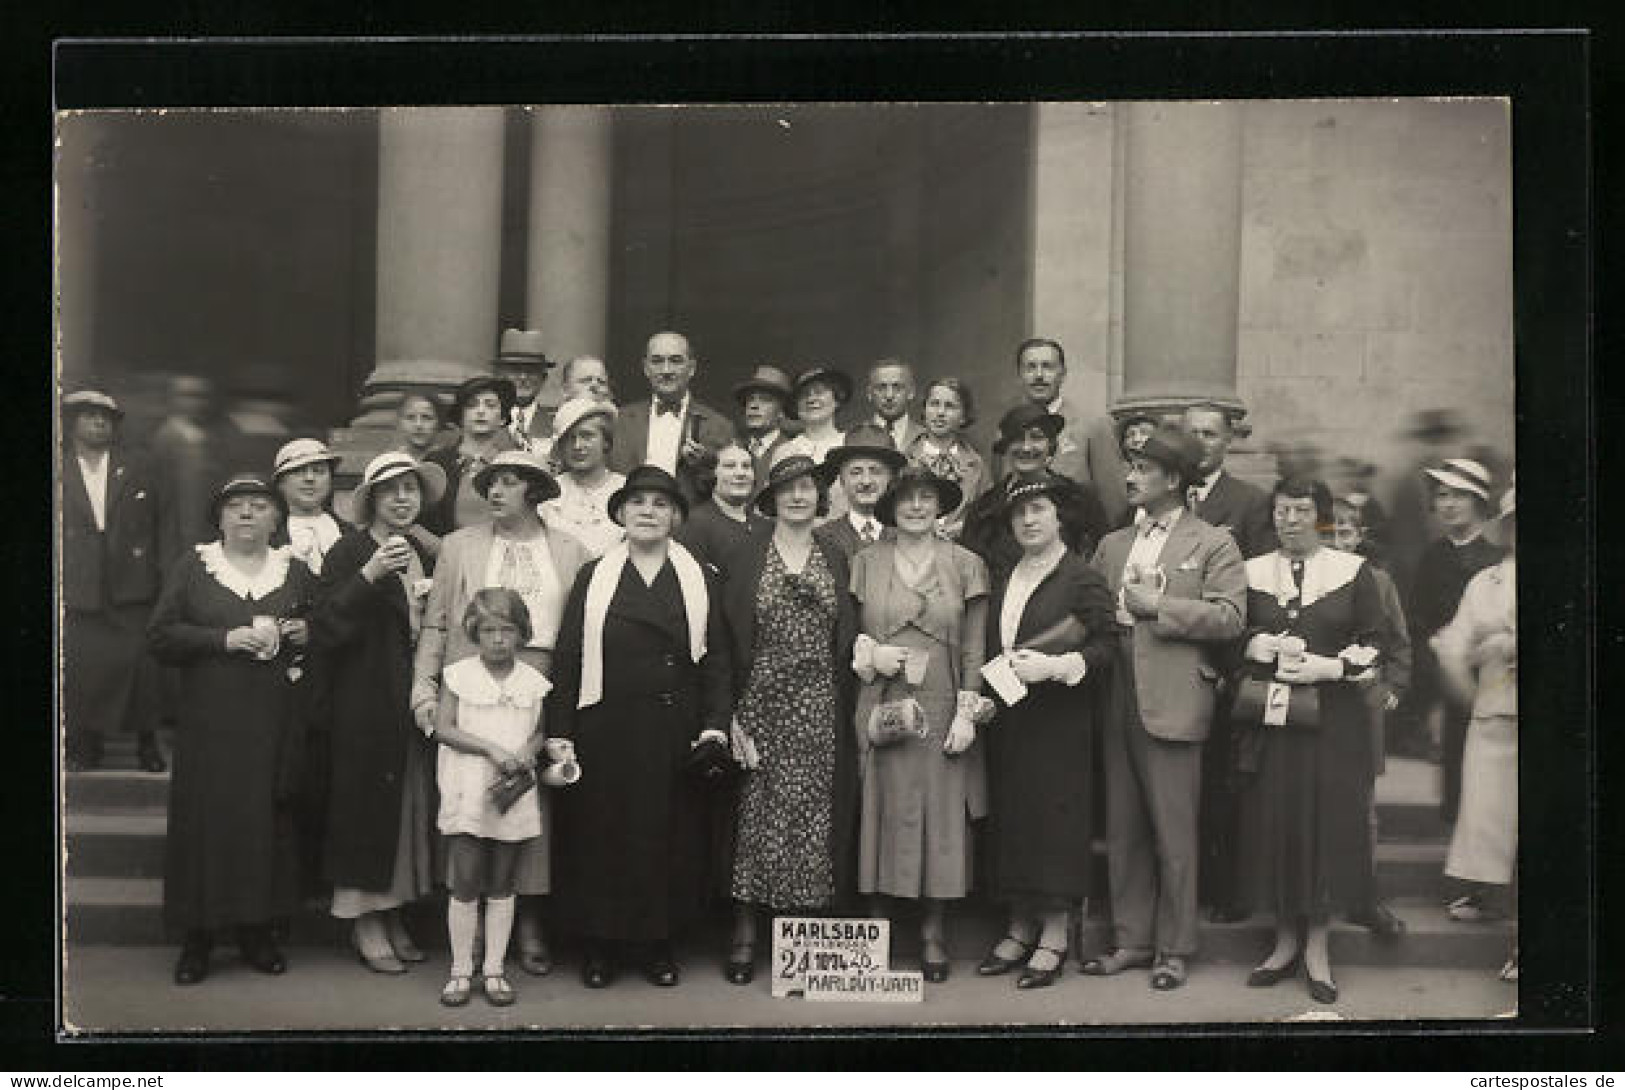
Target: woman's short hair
703, 471
496, 603
967, 404
428, 399
772, 500
1303, 487
536, 489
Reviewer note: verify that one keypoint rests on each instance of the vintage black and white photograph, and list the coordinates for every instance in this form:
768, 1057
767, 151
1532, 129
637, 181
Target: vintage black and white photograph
546, 567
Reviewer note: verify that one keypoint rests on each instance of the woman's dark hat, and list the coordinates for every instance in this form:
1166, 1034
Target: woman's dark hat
836, 380
481, 384
767, 379
522, 348
791, 459
949, 494
1138, 416
866, 441
1174, 450
244, 484
1015, 423
80, 400
522, 462
647, 479
1025, 486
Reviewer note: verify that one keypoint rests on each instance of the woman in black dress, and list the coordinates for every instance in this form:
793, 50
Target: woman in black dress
380, 809
1314, 624
231, 618
1051, 618
641, 680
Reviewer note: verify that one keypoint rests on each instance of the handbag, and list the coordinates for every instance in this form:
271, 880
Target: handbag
896, 718
1252, 705
509, 787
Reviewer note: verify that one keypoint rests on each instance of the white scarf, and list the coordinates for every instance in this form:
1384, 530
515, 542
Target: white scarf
601, 588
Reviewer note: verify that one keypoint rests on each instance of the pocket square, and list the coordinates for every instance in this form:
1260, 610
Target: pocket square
1188, 565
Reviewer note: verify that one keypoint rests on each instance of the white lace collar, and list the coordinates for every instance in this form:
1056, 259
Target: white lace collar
250, 587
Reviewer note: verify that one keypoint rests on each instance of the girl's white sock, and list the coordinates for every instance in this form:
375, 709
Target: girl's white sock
462, 917
498, 925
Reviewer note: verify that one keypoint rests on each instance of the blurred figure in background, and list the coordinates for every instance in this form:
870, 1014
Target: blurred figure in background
111, 514
188, 448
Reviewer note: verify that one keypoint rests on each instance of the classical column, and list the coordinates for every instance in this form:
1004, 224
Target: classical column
567, 278
1181, 255
439, 251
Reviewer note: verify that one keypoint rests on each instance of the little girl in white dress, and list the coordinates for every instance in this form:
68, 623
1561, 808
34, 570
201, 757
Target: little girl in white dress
489, 724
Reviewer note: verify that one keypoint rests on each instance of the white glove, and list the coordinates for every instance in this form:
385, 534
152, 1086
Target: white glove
1264, 647
424, 715
1310, 669
863, 658
1033, 666
744, 748
888, 660
961, 733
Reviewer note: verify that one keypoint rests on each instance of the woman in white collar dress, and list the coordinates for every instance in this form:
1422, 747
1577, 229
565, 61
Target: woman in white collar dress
641, 683
582, 441
513, 549
303, 473
231, 618
1314, 624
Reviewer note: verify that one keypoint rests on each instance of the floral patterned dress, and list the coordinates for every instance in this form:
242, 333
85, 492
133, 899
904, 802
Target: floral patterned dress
786, 806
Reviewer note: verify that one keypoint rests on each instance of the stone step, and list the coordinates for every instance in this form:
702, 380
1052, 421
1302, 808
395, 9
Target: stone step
129, 912
127, 789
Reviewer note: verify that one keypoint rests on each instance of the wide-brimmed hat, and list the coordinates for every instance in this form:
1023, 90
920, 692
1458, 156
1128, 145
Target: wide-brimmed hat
577, 409
647, 478
768, 379
245, 484
838, 381
949, 494
791, 459
1175, 450
480, 384
1014, 424
1465, 475
522, 348
392, 464
87, 398
297, 453
522, 462
1436, 425
1024, 486
866, 441
1509, 502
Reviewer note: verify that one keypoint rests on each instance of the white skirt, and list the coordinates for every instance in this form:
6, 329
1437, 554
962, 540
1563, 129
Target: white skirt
1484, 847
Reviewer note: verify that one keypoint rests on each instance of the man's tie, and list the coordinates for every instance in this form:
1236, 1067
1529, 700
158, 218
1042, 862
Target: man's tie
1150, 527
1295, 604
663, 408
868, 532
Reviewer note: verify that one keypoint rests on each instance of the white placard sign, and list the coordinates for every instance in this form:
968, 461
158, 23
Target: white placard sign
839, 953
881, 986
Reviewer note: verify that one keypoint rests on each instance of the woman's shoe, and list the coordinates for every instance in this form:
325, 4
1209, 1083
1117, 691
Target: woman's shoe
1041, 978
740, 968
996, 964
536, 961
384, 961
193, 965
149, 756
1169, 973
1117, 961
457, 991
498, 992
934, 968
1322, 991
1266, 976
1509, 971
661, 970
400, 940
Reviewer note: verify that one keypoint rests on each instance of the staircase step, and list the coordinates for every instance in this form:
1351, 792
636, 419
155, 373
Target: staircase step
116, 844
117, 789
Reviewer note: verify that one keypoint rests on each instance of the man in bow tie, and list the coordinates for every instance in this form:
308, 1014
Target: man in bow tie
866, 462
671, 428
1181, 590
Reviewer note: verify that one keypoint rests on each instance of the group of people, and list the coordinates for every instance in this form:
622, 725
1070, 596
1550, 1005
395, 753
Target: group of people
645, 661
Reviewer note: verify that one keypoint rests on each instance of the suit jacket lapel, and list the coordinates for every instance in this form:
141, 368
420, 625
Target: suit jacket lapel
640, 414
1182, 542
76, 493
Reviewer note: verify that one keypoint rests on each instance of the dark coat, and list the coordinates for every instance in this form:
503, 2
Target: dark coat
362, 637
632, 832
838, 534
987, 526
710, 427
713, 537
739, 605
1243, 509
121, 565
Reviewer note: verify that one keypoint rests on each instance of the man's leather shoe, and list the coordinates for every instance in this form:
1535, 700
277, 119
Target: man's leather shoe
149, 756
661, 971
596, 971
193, 966
260, 952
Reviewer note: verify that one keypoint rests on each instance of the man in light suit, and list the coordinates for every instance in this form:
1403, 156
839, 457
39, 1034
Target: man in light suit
672, 429
1087, 449
521, 361
1181, 589
1242, 509
890, 392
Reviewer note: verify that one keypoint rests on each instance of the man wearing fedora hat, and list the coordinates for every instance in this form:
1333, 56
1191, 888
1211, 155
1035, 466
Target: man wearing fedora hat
763, 400
865, 464
522, 361
1181, 591
1086, 449
671, 428
1461, 502
110, 577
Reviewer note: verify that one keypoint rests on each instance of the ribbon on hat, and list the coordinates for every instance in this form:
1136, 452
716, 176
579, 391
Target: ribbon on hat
601, 588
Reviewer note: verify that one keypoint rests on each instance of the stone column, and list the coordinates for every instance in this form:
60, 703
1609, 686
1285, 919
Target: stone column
439, 251
567, 278
1182, 255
